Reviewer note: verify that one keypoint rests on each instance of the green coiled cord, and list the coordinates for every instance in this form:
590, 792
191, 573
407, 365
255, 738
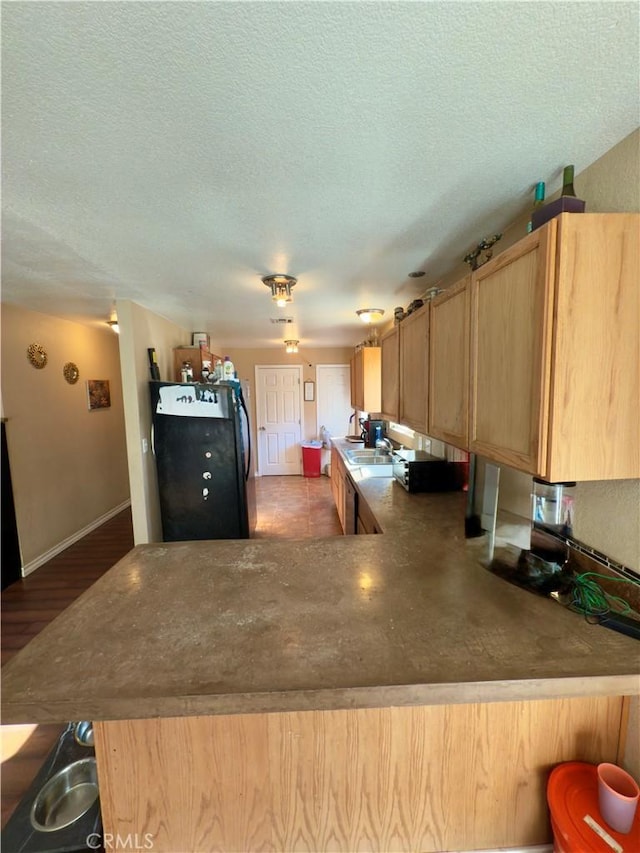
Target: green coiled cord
591, 600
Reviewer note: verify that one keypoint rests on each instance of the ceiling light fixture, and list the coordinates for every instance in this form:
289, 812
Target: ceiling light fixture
113, 322
280, 288
291, 346
417, 274
370, 315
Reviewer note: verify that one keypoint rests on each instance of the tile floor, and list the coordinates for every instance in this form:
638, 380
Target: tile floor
295, 508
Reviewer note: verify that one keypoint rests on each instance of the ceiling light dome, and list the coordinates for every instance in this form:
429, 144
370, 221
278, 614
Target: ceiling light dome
370, 315
280, 288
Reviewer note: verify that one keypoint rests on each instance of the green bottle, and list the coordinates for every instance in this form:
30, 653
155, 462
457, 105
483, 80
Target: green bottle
538, 201
567, 182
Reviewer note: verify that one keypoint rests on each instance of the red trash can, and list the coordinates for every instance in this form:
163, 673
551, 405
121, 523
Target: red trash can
311, 455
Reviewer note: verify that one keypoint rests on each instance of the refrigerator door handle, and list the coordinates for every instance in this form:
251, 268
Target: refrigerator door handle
153, 436
243, 407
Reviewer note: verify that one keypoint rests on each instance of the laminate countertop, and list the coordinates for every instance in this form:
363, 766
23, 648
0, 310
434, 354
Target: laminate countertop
226, 627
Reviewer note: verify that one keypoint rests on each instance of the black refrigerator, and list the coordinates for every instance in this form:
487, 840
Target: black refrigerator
202, 447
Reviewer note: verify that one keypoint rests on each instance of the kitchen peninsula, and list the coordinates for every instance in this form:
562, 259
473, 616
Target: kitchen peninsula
380, 692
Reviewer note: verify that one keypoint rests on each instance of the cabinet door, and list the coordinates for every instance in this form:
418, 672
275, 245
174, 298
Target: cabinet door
337, 482
390, 374
595, 404
357, 381
414, 376
365, 380
366, 520
449, 365
371, 379
511, 305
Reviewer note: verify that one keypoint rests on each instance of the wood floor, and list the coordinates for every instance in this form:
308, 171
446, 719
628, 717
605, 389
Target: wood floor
287, 508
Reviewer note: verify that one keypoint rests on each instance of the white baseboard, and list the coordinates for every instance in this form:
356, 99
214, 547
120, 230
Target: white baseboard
61, 546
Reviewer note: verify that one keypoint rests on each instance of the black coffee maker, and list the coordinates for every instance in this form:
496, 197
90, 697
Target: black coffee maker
371, 430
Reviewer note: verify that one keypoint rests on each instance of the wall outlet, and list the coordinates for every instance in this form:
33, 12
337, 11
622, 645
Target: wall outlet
145, 445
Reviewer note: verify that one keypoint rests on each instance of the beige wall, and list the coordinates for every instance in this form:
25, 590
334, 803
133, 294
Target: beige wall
245, 361
139, 330
68, 464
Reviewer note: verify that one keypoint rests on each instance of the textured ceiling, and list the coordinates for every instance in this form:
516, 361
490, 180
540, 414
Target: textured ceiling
172, 153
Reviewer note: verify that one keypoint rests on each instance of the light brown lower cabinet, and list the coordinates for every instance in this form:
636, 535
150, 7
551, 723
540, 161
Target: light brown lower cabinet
366, 520
338, 477
442, 777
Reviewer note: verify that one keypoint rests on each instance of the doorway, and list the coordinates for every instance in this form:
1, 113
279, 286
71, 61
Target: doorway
11, 559
334, 398
278, 419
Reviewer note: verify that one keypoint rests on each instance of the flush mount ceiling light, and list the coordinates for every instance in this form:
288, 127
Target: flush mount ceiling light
291, 346
113, 322
280, 288
370, 315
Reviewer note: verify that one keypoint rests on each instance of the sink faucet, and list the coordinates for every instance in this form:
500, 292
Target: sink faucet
384, 442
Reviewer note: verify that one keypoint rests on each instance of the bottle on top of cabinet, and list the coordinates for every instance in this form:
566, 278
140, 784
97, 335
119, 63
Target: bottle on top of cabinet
228, 369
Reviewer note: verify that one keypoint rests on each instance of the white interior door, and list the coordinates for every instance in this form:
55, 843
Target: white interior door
278, 419
334, 398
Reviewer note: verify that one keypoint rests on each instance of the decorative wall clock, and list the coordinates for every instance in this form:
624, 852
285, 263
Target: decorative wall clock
37, 355
71, 372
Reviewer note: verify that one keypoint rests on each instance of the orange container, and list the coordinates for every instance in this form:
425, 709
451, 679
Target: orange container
572, 795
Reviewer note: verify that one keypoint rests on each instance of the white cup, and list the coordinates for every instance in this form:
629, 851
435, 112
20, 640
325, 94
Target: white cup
618, 794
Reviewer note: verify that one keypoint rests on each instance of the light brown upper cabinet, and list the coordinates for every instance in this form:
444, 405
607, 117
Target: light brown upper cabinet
390, 373
414, 376
449, 365
365, 379
555, 355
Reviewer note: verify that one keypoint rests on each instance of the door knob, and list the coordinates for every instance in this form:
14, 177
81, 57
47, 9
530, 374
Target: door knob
262, 429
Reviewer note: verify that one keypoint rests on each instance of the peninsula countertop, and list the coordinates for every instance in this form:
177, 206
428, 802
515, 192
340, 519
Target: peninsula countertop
226, 627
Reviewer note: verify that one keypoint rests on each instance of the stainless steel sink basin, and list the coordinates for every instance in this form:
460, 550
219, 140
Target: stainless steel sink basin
378, 470
66, 796
368, 457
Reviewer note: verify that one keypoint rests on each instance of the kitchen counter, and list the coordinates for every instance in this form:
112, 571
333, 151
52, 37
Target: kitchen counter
335, 693
231, 627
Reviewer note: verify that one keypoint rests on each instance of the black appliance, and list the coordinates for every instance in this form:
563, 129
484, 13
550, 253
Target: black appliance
371, 431
202, 445
419, 471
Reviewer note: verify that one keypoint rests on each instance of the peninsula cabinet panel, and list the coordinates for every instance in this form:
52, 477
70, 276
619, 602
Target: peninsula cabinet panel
365, 380
442, 777
414, 376
390, 373
555, 358
449, 365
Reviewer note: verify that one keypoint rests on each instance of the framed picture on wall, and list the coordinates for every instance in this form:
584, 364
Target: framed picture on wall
309, 392
98, 394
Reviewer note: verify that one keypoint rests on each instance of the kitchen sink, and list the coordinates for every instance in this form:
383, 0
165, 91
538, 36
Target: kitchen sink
368, 457
380, 469
370, 462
